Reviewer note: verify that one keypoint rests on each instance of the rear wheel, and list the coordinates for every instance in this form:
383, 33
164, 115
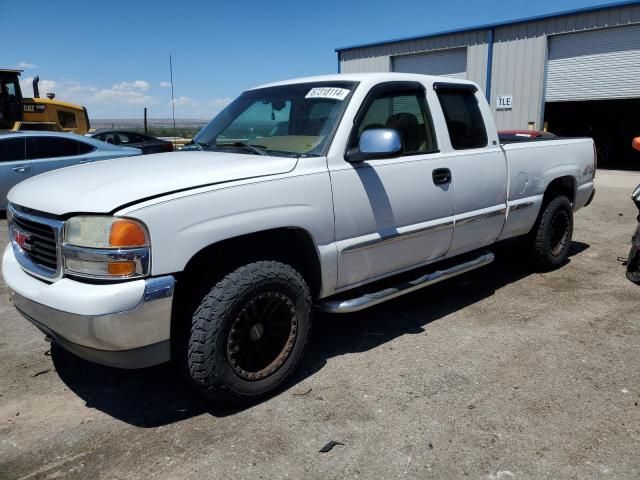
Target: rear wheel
550, 238
249, 332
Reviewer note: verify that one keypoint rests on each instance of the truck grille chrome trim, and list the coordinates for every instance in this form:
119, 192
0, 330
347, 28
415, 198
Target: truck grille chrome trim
36, 242
374, 298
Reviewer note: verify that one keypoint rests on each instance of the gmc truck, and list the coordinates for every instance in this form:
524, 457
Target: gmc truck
333, 193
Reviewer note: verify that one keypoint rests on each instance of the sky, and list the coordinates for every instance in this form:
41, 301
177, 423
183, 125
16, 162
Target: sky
113, 56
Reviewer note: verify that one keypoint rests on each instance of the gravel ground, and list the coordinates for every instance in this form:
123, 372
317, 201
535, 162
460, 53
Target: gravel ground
500, 374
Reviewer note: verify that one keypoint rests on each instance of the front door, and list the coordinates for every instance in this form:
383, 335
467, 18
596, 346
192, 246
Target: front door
394, 213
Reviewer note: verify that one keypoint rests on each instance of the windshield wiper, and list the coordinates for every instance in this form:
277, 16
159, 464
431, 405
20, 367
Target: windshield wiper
258, 150
198, 146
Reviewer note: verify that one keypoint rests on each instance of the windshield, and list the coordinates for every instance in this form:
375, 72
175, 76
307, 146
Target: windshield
293, 120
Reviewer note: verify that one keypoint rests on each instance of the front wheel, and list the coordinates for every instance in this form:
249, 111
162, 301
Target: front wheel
249, 332
550, 238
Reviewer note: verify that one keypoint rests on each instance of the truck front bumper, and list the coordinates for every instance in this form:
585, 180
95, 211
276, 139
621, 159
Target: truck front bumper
124, 325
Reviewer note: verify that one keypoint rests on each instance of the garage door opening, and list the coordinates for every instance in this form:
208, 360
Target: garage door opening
611, 123
451, 62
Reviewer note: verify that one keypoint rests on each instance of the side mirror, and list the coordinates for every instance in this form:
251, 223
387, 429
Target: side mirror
636, 143
376, 143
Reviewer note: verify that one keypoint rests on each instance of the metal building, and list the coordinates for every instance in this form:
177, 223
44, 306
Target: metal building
574, 72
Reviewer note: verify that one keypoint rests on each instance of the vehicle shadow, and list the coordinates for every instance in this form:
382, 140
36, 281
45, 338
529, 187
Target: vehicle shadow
159, 396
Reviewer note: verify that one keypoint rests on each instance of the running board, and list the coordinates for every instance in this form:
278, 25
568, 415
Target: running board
374, 298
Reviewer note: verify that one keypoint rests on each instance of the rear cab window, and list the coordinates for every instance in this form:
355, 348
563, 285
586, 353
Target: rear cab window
462, 115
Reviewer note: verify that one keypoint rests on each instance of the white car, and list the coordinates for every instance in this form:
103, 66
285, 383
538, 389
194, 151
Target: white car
306, 194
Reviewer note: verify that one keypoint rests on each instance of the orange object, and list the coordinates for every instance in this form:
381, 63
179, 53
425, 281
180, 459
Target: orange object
636, 143
121, 268
127, 233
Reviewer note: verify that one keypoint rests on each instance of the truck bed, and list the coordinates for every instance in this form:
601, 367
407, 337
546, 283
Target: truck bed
534, 163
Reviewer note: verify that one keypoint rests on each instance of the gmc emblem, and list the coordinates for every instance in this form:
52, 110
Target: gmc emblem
22, 239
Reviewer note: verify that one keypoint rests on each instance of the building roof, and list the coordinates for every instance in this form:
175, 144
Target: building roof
10, 70
495, 25
367, 78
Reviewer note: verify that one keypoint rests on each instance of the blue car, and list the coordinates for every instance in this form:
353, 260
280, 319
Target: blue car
28, 153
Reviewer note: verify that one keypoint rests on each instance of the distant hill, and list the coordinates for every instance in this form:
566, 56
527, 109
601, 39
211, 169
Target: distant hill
159, 127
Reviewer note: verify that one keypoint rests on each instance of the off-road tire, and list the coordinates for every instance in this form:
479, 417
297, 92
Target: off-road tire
209, 363
550, 237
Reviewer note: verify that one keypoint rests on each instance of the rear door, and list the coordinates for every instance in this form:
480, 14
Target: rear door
14, 167
478, 164
49, 153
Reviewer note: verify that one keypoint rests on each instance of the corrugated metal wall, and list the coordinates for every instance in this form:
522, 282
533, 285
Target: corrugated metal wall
519, 57
451, 62
378, 58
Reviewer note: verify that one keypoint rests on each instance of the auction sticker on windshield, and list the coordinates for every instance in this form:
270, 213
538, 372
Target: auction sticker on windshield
332, 93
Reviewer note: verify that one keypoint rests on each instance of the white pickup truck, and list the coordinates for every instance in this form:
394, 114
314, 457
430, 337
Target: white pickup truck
334, 192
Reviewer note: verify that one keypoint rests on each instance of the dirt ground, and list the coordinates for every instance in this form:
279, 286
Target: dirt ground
500, 374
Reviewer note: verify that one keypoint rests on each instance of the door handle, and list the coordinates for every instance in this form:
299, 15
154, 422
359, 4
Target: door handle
441, 176
85, 161
22, 169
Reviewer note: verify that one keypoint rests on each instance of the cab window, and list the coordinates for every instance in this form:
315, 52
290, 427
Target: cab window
11, 89
404, 110
67, 119
464, 118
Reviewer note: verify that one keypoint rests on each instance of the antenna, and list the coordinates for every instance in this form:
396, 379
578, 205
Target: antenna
173, 103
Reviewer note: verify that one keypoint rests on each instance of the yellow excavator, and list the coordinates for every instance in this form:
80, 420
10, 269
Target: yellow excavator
19, 113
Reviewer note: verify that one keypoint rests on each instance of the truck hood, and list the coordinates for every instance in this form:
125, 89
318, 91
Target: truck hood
104, 186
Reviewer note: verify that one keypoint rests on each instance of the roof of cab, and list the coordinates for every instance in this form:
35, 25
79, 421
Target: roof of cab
368, 78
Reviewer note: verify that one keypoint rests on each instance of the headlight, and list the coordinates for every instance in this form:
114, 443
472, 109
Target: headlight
106, 247
105, 232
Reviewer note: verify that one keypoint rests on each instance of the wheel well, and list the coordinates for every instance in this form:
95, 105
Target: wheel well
293, 246
561, 186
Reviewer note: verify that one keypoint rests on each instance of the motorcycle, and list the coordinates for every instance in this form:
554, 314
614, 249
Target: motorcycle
633, 261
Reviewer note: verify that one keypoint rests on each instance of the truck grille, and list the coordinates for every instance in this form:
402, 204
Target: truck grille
35, 243
41, 246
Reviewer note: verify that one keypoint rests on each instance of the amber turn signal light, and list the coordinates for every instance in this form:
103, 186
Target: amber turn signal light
121, 268
127, 233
